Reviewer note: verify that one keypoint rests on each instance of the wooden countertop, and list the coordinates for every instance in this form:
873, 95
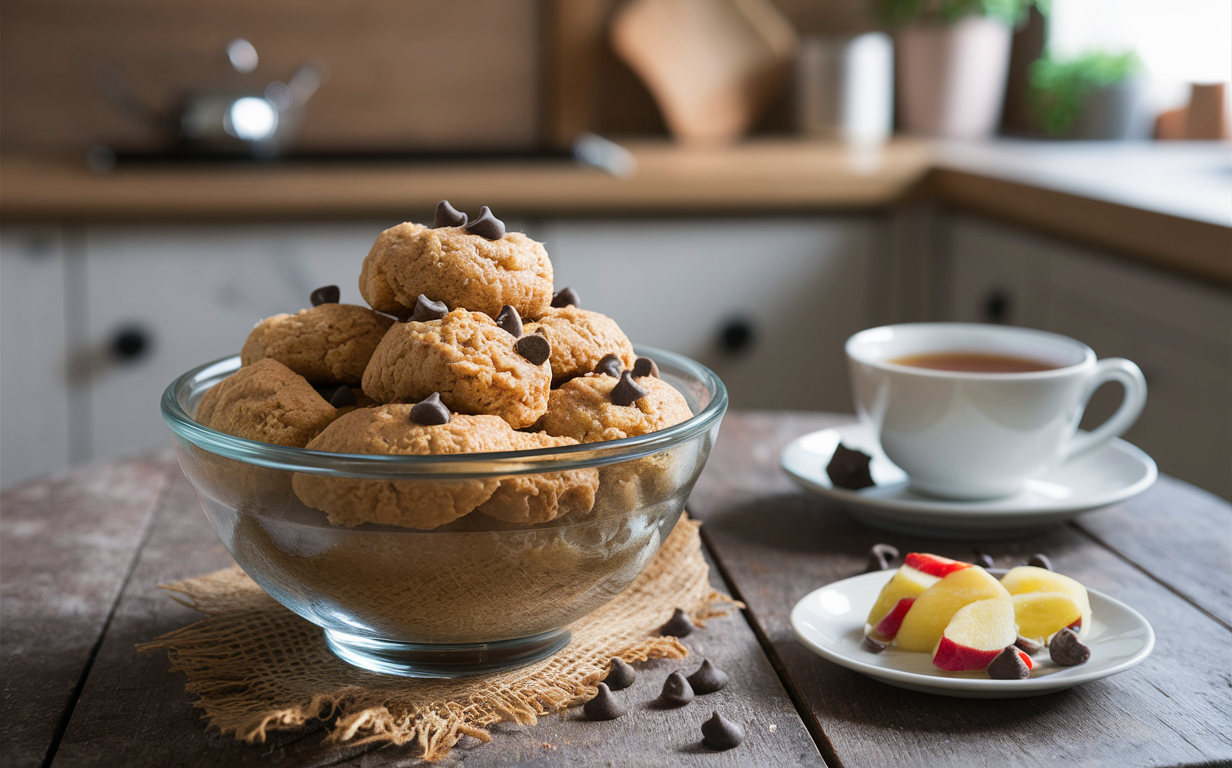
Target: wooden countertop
1178, 215
84, 551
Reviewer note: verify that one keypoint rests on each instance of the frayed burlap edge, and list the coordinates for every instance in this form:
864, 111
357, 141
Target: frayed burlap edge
256, 667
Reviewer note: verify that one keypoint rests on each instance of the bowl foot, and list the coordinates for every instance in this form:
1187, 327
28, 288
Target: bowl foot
443, 660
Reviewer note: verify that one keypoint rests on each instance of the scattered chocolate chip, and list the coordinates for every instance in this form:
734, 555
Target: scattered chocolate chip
609, 365
448, 216
873, 646
849, 469
719, 733
1040, 561
708, 678
534, 348
1067, 650
342, 397
679, 625
565, 298
430, 412
620, 675
510, 320
881, 557
1032, 647
487, 226
326, 294
676, 691
644, 366
985, 560
427, 310
627, 391
603, 706
1008, 665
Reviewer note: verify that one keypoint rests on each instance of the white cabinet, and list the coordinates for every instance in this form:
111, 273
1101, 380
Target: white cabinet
1178, 330
34, 374
766, 302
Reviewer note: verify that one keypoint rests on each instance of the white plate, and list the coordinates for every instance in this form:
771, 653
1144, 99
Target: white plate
1109, 475
830, 622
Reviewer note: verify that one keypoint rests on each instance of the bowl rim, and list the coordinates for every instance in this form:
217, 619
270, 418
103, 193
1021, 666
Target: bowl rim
461, 466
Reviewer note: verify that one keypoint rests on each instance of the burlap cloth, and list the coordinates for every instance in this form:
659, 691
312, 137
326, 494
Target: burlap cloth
256, 666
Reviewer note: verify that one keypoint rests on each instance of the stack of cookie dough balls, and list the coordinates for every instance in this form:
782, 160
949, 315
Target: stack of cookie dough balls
466, 348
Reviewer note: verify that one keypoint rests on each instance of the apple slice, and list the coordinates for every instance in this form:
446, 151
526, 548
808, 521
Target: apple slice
933, 565
1040, 615
976, 635
896, 597
1028, 578
922, 626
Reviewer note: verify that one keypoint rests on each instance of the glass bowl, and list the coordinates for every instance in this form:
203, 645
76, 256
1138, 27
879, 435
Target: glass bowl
476, 595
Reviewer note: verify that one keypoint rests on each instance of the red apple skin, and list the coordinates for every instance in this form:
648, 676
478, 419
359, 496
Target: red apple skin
887, 628
952, 657
933, 565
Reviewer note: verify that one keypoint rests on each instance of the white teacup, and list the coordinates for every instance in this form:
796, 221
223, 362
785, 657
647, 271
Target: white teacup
979, 435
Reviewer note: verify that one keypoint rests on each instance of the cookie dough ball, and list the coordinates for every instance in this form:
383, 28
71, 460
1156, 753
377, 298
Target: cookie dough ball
461, 269
580, 339
328, 344
540, 498
266, 401
473, 363
389, 430
584, 408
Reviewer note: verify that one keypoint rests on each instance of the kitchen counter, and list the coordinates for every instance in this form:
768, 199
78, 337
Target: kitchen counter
1170, 204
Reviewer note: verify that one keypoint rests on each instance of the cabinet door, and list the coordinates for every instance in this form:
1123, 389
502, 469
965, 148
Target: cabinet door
767, 302
34, 400
993, 274
192, 294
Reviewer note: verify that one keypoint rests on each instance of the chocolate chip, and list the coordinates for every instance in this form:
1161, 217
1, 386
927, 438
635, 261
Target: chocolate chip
708, 678
620, 675
510, 320
644, 366
1032, 647
1040, 561
448, 216
676, 691
565, 298
427, 310
849, 469
873, 646
609, 365
534, 348
679, 625
430, 412
881, 557
985, 560
603, 706
1008, 665
326, 294
1067, 650
487, 226
719, 733
342, 397
627, 391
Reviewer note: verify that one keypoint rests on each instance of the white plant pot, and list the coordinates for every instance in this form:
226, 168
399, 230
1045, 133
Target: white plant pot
951, 77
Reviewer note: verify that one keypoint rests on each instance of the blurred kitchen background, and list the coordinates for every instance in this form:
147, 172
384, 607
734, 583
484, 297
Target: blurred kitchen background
747, 182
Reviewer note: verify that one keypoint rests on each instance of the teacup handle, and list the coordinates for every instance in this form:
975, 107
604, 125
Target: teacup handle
1130, 377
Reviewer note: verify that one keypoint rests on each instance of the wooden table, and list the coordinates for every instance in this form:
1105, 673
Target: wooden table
82, 554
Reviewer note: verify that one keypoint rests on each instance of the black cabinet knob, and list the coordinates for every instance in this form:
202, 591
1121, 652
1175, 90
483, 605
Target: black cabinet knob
130, 344
737, 336
997, 307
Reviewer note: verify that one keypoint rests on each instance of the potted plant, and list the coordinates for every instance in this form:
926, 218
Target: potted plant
1093, 96
952, 58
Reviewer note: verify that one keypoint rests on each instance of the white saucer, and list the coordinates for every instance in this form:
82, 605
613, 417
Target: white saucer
1109, 475
830, 622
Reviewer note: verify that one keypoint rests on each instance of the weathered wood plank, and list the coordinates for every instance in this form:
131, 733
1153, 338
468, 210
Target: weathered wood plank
1180, 535
137, 714
778, 543
66, 545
